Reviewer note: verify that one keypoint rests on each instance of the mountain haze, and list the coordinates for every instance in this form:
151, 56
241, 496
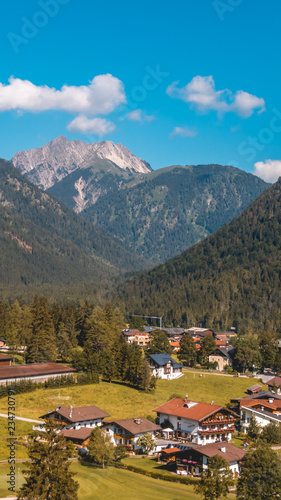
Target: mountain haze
232, 277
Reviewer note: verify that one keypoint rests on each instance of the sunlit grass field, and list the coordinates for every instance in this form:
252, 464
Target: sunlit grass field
112, 484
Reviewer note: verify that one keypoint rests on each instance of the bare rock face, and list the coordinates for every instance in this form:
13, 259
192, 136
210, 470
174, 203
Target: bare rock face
49, 164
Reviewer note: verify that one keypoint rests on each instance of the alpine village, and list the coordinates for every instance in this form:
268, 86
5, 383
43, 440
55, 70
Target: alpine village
140, 250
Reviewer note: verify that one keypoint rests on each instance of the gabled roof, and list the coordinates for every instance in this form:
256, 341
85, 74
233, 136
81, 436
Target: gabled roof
163, 359
255, 387
4, 357
79, 414
272, 415
231, 453
274, 381
196, 411
80, 434
32, 370
135, 425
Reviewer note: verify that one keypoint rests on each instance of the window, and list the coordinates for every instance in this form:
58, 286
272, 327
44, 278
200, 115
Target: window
179, 426
179, 418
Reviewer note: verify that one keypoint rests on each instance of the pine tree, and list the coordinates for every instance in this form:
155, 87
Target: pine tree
260, 476
188, 351
253, 429
47, 476
159, 343
216, 481
145, 376
101, 449
41, 347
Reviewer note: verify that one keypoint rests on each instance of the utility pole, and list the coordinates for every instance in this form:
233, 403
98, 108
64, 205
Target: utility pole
151, 317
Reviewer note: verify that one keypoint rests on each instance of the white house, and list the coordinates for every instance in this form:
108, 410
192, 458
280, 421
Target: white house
129, 430
163, 366
200, 423
195, 460
77, 418
264, 414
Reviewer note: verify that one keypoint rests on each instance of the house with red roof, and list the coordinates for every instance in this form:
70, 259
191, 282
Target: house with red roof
196, 422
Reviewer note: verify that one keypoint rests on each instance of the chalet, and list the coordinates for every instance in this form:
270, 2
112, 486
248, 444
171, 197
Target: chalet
77, 418
36, 372
264, 412
274, 385
3, 344
200, 332
128, 431
5, 360
223, 356
141, 338
200, 423
195, 460
163, 366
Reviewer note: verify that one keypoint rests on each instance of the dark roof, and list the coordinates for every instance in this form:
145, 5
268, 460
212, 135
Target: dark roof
274, 381
3, 357
79, 434
231, 453
79, 414
33, 370
163, 359
255, 387
135, 425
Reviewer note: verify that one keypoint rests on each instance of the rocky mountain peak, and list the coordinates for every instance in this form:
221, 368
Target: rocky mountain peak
51, 163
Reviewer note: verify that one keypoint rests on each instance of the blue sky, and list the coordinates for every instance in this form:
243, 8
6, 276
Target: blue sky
224, 55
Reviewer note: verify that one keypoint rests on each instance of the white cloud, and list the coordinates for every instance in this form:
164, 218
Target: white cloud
201, 93
103, 94
96, 126
139, 116
268, 170
183, 132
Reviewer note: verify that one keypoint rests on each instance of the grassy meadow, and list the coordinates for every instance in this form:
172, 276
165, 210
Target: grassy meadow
112, 484
125, 402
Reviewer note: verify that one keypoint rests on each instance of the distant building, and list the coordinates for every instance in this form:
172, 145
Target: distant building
223, 356
36, 372
264, 412
128, 431
254, 389
5, 360
164, 366
140, 338
200, 423
274, 384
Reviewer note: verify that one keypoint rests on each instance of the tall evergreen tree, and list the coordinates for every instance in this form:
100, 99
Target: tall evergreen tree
101, 449
159, 343
47, 476
188, 351
42, 346
216, 481
260, 476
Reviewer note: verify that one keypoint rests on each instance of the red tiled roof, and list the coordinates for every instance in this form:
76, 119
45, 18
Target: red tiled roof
36, 369
261, 402
79, 414
197, 412
170, 450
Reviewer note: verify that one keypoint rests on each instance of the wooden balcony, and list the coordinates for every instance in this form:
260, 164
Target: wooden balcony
217, 431
217, 422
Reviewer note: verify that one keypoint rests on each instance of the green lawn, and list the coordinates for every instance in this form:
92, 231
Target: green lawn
113, 484
22, 429
122, 402
148, 464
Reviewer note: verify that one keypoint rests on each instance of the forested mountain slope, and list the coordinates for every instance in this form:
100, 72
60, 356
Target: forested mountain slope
43, 243
231, 277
